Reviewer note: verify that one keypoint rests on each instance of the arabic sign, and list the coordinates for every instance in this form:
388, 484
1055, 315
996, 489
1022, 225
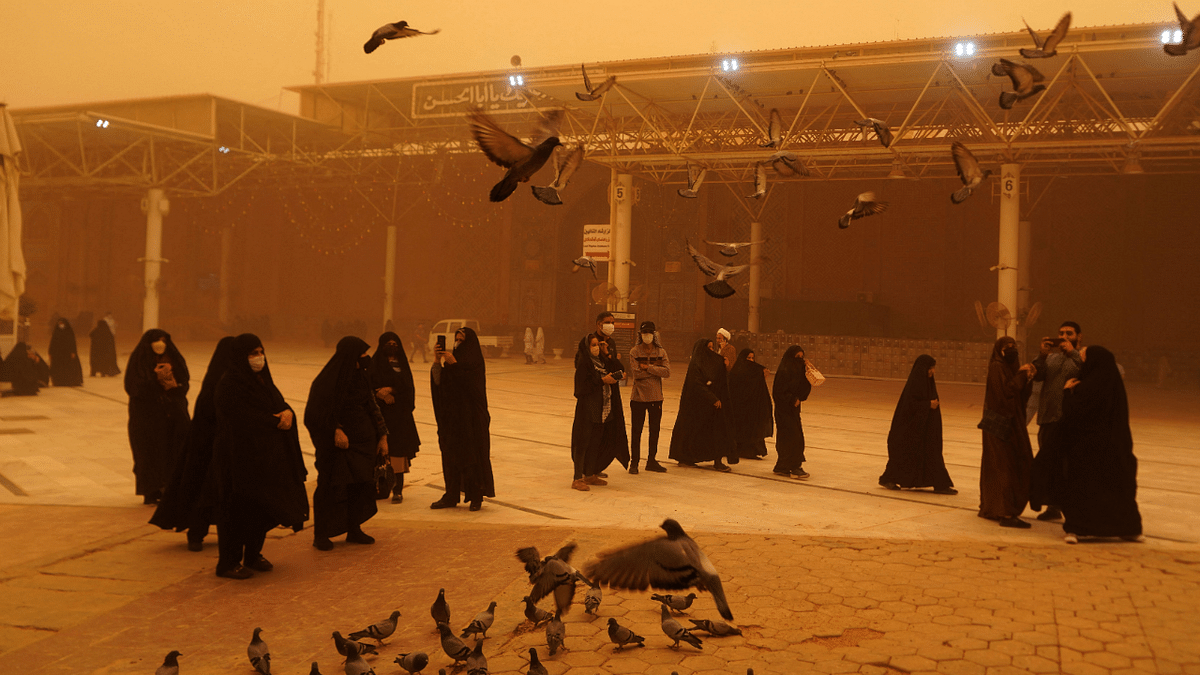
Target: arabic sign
597, 240
450, 99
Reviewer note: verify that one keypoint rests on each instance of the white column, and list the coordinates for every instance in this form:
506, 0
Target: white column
612, 226
755, 275
1010, 216
1023, 259
223, 313
389, 274
155, 206
622, 230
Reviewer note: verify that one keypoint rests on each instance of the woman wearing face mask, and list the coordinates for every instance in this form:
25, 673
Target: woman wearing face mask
1007, 454
650, 365
598, 433
789, 390
257, 465
156, 380
750, 411
392, 381
458, 384
701, 430
65, 369
349, 435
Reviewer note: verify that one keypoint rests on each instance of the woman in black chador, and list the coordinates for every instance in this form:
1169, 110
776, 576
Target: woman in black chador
750, 410
598, 433
459, 389
65, 370
392, 382
102, 354
25, 369
156, 379
257, 465
349, 434
701, 430
1100, 491
915, 440
790, 389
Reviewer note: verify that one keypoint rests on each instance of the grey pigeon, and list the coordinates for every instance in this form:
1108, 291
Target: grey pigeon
454, 648
591, 599
552, 574
760, 181
787, 164
715, 628
393, 31
535, 666
356, 665
969, 173
730, 249
695, 180
718, 289
1190, 31
579, 263
774, 130
521, 160
673, 562
482, 622
440, 610
1024, 81
1049, 46
675, 602
566, 163
556, 633
534, 613
260, 655
881, 129
622, 636
378, 631
597, 91
413, 663
340, 643
675, 630
477, 663
864, 205
170, 664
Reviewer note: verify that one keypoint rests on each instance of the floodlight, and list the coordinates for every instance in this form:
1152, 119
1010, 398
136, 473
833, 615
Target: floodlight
516, 80
1172, 37
223, 150
103, 124
962, 49
729, 65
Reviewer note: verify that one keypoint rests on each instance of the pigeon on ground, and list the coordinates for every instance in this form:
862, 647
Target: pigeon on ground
556, 633
535, 614
760, 181
591, 599
1049, 46
413, 663
676, 602
340, 643
774, 130
259, 653
521, 160
864, 205
535, 666
440, 610
597, 91
787, 164
675, 630
731, 249
477, 663
378, 631
566, 162
881, 129
170, 664
1023, 81
356, 665
968, 171
393, 31
552, 574
454, 648
695, 179
1191, 34
622, 636
718, 288
716, 628
581, 262
673, 562
482, 622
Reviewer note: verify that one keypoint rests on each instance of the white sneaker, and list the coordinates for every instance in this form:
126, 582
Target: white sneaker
1071, 539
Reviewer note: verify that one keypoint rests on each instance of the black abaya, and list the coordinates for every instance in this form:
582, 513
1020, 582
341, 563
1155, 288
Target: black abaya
26, 374
790, 388
102, 354
750, 411
158, 415
460, 405
915, 439
65, 369
1007, 453
391, 369
701, 432
597, 440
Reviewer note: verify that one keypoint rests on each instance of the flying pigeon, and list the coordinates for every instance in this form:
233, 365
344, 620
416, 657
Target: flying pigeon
591, 599
482, 622
535, 666
1049, 46
787, 164
718, 289
259, 653
378, 631
864, 205
622, 636
393, 31
760, 181
597, 91
556, 633
535, 614
454, 648
881, 129
695, 179
552, 574
675, 630
716, 628
566, 162
413, 663
477, 663
440, 610
521, 160
170, 664
356, 665
774, 131
340, 643
730, 249
675, 602
673, 562
581, 262
1023, 81
968, 171
1191, 34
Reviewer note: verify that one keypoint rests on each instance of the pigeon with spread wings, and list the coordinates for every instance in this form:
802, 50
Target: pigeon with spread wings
864, 205
594, 93
393, 31
566, 163
881, 129
552, 574
1190, 38
969, 172
1049, 46
788, 164
585, 261
718, 288
774, 131
695, 180
521, 160
673, 562
760, 181
729, 249
1024, 81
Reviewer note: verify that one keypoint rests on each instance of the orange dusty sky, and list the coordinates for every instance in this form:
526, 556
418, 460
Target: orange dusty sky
76, 51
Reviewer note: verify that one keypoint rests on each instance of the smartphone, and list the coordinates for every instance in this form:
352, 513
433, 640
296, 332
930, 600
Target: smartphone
441, 343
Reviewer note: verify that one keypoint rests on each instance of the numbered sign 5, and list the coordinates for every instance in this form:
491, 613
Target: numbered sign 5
620, 193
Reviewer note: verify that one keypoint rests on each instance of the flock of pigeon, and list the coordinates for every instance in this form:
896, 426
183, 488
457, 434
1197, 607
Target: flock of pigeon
670, 562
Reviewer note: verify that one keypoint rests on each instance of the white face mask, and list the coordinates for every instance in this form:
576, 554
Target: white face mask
647, 338
595, 349
159, 346
257, 363
608, 328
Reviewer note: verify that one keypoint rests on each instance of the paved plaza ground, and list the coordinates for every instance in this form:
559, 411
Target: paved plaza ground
833, 574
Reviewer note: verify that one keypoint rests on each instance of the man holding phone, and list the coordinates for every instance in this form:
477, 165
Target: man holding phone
1058, 363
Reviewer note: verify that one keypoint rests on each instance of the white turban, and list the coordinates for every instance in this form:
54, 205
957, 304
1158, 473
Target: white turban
724, 333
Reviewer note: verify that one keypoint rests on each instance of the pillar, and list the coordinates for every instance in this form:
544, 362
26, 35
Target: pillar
1023, 303
622, 231
155, 206
755, 276
389, 274
223, 313
1009, 263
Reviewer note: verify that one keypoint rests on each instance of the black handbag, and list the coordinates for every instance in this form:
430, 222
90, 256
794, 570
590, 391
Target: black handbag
385, 479
996, 424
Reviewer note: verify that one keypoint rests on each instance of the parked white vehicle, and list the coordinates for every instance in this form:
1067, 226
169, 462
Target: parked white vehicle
493, 345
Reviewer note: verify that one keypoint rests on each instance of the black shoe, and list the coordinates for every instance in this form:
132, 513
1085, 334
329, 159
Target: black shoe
397, 498
443, 503
633, 469
323, 544
195, 545
260, 564
732, 460
890, 486
476, 505
1015, 523
723, 468
800, 473
1051, 513
654, 466
235, 572
359, 537
945, 491
602, 475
